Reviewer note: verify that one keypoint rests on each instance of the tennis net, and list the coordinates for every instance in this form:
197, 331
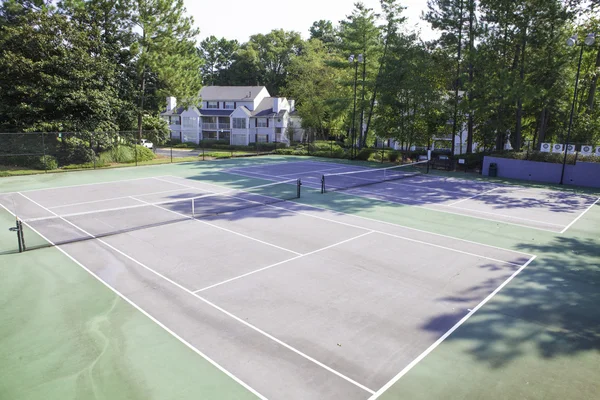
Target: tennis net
59, 229
353, 179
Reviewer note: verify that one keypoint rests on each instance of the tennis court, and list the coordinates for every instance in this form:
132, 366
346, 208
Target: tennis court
292, 301
539, 208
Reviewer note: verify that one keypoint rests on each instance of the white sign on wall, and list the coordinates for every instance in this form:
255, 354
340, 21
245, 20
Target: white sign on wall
571, 149
598, 151
546, 147
586, 150
558, 148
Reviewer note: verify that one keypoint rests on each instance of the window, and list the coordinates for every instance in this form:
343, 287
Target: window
262, 123
262, 138
239, 123
277, 130
174, 120
228, 105
212, 104
190, 122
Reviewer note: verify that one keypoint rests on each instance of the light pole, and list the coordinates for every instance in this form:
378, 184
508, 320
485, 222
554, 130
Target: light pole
354, 61
572, 41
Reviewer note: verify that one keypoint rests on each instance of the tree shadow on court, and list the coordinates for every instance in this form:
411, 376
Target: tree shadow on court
553, 201
551, 307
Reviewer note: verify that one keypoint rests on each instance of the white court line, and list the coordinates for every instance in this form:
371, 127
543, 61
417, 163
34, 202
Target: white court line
157, 322
472, 197
430, 208
218, 227
375, 220
213, 305
84, 184
506, 216
383, 233
115, 198
283, 262
440, 205
448, 333
580, 215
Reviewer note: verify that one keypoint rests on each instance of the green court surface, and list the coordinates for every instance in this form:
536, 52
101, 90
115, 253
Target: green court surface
66, 335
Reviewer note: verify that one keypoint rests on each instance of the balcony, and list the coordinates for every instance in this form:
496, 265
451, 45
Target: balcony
209, 126
225, 126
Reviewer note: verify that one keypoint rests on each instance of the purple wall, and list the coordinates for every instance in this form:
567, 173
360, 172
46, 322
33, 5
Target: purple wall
581, 174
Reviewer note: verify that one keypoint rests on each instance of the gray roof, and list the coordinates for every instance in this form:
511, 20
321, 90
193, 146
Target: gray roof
233, 93
265, 108
216, 113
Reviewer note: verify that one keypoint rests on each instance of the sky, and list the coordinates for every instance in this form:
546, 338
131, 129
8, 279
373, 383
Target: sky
238, 19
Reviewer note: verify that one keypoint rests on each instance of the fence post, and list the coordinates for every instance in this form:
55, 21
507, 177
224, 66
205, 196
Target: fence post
44, 152
93, 151
135, 149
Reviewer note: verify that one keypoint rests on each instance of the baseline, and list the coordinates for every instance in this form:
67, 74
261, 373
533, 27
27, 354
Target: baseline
144, 312
213, 305
448, 333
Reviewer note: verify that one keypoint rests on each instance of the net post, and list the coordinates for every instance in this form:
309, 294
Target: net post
20, 236
322, 184
299, 184
428, 163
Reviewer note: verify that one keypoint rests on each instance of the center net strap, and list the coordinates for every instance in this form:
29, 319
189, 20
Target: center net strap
353, 179
74, 227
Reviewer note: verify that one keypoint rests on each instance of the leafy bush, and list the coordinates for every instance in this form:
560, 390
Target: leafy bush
364, 154
187, 145
210, 143
289, 151
45, 163
393, 156
74, 151
144, 153
126, 155
118, 154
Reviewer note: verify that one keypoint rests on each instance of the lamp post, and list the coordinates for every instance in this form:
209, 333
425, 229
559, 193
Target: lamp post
572, 41
355, 61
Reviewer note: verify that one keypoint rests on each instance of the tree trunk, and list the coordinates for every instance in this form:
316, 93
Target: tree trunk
593, 85
363, 136
542, 126
457, 81
471, 73
519, 115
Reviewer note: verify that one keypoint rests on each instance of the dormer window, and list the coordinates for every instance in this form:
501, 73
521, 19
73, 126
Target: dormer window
229, 105
212, 104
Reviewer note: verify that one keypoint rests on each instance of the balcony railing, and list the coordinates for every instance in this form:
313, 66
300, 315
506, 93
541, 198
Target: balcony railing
225, 126
209, 126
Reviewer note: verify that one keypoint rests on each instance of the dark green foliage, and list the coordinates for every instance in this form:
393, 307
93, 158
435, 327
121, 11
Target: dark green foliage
45, 163
364, 154
74, 151
556, 158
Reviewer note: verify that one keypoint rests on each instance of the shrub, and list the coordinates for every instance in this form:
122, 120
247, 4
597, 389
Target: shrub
144, 153
210, 143
45, 163
393, 156
289, 151
364, 154
187, 145
126, 155
74, 151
